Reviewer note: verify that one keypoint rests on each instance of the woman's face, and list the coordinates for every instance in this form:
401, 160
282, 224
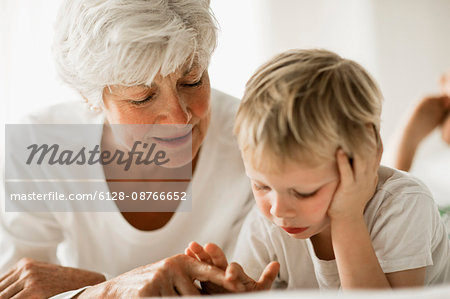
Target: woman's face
181, 98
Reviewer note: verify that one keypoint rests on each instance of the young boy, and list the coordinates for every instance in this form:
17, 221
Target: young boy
329, 215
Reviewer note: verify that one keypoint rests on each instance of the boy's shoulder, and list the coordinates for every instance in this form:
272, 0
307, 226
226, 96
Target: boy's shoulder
397, 193
396, 182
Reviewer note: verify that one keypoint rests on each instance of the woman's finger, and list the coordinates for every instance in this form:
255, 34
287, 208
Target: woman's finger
9, 280
204, 272
190, 253
167, 288
200, 252
11, 271
185, 286
218, 257
12, 290
268, 276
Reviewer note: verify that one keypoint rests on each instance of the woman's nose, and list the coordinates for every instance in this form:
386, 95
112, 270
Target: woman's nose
177, 110
282, 207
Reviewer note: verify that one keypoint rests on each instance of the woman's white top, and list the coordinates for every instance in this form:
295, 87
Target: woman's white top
104, 241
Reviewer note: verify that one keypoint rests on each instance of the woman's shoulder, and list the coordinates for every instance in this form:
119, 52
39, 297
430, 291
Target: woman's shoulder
68, 112
223, 106
223, 101
223, 112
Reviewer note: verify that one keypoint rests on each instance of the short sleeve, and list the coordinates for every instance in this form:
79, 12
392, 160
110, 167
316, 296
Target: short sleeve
33, 235
402, 228
252, 251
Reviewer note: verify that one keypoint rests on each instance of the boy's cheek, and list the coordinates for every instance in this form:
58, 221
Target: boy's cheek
316, 212
263, 206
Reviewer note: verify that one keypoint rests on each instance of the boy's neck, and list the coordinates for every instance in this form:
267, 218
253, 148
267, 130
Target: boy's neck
323, 246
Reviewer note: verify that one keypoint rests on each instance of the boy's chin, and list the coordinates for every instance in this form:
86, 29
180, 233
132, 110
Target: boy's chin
301, 236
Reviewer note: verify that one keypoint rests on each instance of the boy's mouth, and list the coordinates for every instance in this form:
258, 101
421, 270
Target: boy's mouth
294, 230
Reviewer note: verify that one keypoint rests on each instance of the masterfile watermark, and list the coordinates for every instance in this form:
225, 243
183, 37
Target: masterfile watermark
67, 168
95, 155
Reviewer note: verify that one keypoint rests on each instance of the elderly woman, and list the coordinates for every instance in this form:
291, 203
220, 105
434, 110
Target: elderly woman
133, 62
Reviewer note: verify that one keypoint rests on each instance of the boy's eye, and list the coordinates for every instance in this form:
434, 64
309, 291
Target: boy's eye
260, 188
141, 102
304, 195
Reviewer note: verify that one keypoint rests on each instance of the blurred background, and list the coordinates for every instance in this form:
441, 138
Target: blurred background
405, 45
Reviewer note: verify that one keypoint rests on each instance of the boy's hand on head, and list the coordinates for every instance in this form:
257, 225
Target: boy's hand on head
357, 184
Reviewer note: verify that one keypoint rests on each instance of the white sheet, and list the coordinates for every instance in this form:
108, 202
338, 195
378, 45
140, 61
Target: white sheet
435, 292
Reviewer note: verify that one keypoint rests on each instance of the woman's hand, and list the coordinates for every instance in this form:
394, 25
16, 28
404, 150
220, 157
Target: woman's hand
33, 279
236, 278
357, 184
173, 276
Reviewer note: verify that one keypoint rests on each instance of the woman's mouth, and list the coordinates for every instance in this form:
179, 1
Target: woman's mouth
174, 141
294, 230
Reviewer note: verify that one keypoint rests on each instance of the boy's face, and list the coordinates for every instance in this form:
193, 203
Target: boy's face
297, 198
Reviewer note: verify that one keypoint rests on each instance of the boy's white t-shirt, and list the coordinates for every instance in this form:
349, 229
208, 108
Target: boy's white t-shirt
403, 222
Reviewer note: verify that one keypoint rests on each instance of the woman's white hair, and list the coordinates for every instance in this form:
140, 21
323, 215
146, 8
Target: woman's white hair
99, 43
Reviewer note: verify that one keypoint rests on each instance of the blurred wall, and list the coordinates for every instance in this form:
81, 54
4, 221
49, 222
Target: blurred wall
405, 44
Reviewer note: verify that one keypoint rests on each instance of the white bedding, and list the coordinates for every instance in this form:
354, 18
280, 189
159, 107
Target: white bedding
432, 166
435, 292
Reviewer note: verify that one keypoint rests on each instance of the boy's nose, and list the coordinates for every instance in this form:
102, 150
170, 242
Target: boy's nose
282, 207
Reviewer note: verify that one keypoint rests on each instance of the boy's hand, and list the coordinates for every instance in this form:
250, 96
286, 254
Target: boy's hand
235, 272
357, 184
236, 279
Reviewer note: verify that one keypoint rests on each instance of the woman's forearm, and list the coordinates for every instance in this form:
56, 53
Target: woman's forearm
357, 263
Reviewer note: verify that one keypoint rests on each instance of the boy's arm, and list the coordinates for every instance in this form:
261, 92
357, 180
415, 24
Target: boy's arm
357, 262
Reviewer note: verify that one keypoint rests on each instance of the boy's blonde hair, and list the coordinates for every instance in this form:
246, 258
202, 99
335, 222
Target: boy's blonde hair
303, 105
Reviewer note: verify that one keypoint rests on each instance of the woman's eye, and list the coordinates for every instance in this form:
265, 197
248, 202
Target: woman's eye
194, 84
141, 102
